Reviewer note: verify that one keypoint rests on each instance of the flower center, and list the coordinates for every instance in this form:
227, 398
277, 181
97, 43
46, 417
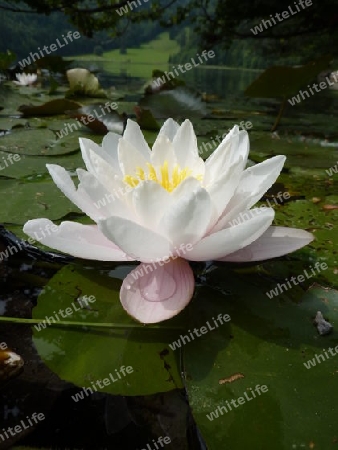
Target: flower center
165, 179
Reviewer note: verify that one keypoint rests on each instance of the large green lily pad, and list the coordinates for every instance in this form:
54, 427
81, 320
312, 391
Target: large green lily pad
25, 200
266, 343
85, 354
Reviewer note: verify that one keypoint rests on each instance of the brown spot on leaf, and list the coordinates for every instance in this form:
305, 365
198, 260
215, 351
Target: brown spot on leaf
231, 379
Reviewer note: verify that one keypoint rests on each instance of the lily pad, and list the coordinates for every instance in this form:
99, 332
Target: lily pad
22, 201
146, 120
177, 103
267, 343
38, 142
100, 119
85, 354
6, 59
283, 81
53, 107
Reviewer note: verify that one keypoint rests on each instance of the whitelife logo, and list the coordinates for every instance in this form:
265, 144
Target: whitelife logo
241, 400
320, 358
10, 159
53, 47
332, 170
64, 313
285, 15
70, 127
12, 431
184, 339
188, 66
122, 372
130, 6
300, 278
316, 86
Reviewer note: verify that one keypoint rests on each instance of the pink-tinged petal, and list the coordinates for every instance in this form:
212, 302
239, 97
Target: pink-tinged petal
276, 241
152, 295
229, 240
82, 241
141, 243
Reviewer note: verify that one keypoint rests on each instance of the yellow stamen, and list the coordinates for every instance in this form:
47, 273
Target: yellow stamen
162, 176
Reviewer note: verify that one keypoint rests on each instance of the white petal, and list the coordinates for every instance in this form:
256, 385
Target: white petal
160, 294
222, 190
82, 241
169, 129
105, 172
185, 145
276, 241
150, 202
107, 203
78, 196
130, 158
188, 185
255, 181
242, 151
220, 159
137, 241
134, 136
163, 150
188, 219
229, 240
110, 146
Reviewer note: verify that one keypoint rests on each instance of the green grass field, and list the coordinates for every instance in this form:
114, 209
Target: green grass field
137, 60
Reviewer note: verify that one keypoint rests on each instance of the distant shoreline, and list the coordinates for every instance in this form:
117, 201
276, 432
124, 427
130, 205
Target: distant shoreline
95, 58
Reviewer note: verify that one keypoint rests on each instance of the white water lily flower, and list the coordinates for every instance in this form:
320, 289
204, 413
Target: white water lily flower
166, 206
25, 79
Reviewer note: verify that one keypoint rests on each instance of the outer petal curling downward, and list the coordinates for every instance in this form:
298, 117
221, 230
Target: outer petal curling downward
160, 294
